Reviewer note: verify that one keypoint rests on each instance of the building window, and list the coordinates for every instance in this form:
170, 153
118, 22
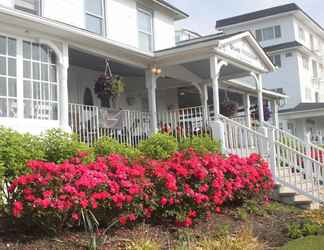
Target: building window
8, 77
315, 69
276, 60
305, 62
317, 98
301, 34
268, 33
145, 29
30, 6
40, 88
308, 94
95, 16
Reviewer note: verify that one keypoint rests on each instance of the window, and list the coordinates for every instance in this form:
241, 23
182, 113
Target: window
305, 62
145, 29
40, 88
317, 98
30, 6
268, 33
312, 44
301, 34
8, 77
276, 60
315, 70
289, 54
95, 16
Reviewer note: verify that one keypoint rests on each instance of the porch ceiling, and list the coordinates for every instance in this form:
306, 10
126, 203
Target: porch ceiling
201, 68
97, 63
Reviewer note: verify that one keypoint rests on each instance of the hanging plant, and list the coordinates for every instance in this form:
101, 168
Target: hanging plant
229, 108
108, 86
266, 113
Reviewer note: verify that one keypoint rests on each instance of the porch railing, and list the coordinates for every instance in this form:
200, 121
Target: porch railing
90, 123
183, 123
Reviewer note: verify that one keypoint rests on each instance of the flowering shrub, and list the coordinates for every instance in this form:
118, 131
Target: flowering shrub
181, 189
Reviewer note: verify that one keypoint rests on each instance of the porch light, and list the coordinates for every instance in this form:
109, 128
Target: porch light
156, 71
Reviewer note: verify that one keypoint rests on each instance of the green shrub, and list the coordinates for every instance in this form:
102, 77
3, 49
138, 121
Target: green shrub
201, 144
60, 146
159, 146
107, 146
15, 150
303, 228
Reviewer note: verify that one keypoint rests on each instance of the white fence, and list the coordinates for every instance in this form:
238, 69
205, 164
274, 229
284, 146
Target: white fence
183, 123
294, 163
90, 123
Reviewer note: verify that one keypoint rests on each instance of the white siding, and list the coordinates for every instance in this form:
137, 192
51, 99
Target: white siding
164, 35
7, 3
67, 11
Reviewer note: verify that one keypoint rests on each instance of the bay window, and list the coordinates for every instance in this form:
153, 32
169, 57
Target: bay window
39, 82
145, 29
95, 16
268, 33
8, 77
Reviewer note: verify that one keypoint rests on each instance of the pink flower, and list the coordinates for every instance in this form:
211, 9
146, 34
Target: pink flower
164, 201
75, 216
123, 220
84, 203
17, 209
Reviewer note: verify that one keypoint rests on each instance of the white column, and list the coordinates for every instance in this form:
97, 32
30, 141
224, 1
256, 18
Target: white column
204, 99
247, 107
20, 81
214, 73
150, 80
63, 86
259, 87
275, 115
215, 67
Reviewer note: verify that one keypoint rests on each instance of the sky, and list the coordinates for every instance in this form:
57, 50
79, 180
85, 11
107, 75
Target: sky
204, 13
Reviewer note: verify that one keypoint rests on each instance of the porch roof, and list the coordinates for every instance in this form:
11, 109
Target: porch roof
243, 87
303, 110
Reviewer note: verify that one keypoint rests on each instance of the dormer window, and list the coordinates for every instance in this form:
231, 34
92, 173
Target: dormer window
30, 6
95, 16
145, 29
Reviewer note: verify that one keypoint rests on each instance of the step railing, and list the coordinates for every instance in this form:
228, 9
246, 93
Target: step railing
294, 168
291, 160
242, 140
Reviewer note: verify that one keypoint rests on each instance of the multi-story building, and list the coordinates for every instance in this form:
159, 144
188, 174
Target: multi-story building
295, 43
53, 51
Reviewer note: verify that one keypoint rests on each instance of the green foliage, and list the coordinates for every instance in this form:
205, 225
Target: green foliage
15, 150
309, 243
159, 146
60, 146
201, 144
107, 146
304, 228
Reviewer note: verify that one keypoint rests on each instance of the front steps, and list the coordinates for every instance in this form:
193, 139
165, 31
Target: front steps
289, 196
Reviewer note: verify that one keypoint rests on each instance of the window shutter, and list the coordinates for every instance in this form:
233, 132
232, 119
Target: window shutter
258, 35
277, 31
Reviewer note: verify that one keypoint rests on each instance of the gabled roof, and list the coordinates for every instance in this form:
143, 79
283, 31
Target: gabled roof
264, 13
281, 46
304, 107
179, 13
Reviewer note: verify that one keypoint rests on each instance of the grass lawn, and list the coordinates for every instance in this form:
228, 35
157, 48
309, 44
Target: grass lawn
308, 243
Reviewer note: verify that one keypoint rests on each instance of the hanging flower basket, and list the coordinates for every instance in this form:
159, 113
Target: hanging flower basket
229, 108
266, 113
108, 87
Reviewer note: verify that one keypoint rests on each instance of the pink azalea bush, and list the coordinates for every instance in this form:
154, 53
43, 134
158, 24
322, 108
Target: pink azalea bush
182, 189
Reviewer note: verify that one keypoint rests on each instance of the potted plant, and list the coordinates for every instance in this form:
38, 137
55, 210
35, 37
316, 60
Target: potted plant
266, 113
229, 108
108, 87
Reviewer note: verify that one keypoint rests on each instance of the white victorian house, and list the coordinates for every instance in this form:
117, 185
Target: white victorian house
294, 41
52, 52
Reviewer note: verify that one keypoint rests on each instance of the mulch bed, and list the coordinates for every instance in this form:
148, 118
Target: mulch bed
271, 229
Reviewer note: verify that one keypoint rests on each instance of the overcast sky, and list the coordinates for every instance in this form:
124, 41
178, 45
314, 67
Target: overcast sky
204, 13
